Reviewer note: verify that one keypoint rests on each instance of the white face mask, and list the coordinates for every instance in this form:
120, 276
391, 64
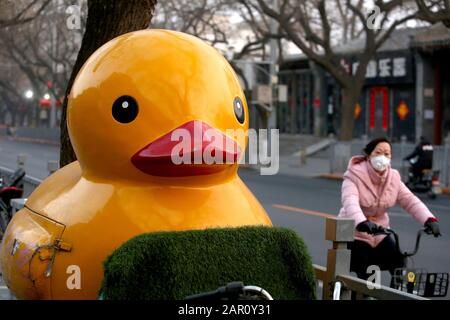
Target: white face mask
380, 163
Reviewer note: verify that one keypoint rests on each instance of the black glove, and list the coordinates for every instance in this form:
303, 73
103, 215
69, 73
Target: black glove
369, 227
432, 227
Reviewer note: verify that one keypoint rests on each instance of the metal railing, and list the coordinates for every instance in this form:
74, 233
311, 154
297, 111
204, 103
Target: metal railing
383, 293
337, 271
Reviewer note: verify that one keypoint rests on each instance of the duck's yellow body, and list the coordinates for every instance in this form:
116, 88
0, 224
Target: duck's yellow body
127, 98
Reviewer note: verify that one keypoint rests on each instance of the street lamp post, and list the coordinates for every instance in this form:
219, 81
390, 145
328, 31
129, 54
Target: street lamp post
29, 96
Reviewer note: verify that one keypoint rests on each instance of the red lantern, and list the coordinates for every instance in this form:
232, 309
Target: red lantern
45, 103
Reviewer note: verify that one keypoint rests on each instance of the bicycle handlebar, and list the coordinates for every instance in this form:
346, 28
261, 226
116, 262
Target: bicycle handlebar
232, 291
405, 254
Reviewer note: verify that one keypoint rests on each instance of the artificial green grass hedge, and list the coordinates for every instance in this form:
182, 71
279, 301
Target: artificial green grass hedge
174, 265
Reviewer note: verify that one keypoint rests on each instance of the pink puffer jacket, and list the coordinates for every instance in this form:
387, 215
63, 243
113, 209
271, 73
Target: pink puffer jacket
366, 196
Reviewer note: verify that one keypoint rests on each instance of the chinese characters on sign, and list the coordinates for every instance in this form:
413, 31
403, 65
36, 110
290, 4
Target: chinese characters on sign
399, 67
384, 68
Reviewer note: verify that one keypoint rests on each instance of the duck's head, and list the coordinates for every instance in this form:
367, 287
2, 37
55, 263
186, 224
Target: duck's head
140, 95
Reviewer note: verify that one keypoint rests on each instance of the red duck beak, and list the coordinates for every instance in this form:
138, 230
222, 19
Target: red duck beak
192, 149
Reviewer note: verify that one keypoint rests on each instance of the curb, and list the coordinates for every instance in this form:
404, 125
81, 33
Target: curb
245, 166
332, 176
249, 166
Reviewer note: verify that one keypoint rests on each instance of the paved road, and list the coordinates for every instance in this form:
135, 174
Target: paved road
293, 202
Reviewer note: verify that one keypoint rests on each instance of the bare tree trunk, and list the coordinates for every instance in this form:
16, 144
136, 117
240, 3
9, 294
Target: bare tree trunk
350, 97
105, 21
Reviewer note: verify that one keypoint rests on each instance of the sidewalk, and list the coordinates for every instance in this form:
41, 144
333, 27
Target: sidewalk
30, 140
42, 135
292, 166
315, 166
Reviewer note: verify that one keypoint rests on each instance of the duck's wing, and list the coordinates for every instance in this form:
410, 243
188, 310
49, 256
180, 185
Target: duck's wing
54, 186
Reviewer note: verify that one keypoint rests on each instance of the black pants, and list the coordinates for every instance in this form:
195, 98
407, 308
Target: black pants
385, 256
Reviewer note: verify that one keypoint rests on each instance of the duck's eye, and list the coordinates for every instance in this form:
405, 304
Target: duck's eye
125, 109
239, 110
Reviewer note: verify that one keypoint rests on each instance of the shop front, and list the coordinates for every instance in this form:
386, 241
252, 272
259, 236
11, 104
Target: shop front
387, 103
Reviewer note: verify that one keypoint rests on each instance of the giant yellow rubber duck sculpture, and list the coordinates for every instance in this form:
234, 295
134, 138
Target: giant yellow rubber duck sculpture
125, 105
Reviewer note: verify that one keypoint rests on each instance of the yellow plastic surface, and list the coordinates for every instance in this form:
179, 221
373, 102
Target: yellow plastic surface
97, 203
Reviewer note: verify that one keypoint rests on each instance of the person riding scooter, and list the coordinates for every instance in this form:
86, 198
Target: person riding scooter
424, 154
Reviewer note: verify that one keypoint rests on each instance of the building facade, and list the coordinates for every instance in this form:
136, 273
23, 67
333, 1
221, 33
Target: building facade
406, 91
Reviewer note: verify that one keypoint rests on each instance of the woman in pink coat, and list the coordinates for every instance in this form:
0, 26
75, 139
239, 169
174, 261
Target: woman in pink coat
369, 189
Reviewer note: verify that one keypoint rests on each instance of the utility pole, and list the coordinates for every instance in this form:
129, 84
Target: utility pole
273, 67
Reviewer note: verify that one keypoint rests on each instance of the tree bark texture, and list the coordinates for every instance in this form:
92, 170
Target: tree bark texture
106, 20
350, 97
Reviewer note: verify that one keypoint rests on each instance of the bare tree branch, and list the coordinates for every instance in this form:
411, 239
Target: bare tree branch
24, 15
434, 11
312, 29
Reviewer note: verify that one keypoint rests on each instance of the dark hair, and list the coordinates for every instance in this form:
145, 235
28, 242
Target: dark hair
373, 144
